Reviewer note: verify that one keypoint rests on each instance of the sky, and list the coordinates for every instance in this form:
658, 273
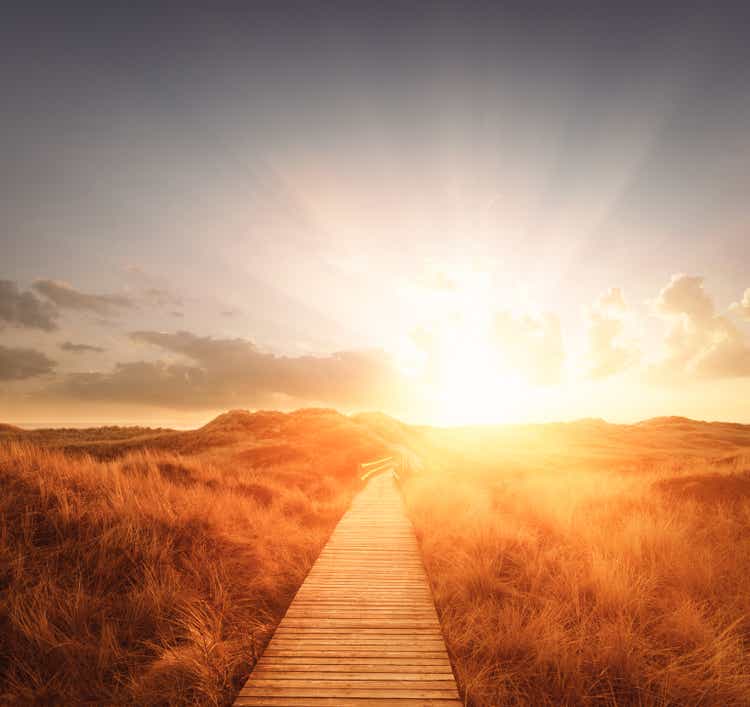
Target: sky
452, 212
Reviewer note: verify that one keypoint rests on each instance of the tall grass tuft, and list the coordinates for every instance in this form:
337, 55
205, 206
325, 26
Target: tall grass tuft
151, 579
590, 587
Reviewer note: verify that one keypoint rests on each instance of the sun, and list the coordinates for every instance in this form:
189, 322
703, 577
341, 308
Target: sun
472, 384
455, 361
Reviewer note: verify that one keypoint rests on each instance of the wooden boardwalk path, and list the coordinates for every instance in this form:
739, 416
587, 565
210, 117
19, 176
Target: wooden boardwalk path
362, 629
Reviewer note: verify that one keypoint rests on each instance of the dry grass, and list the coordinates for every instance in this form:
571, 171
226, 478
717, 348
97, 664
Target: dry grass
156, 578
573, 584
584, 564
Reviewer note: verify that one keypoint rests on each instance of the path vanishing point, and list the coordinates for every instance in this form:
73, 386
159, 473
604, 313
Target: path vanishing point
362, 629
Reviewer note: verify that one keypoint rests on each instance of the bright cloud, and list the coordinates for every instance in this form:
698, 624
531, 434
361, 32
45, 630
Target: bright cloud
608, 352
698, 342
468, 352
742, 308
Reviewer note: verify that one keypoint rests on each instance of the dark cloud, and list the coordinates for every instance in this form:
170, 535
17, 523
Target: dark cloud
25, 309
101, 321
67, 297
161, 297
80, 348
222, 372
20, 363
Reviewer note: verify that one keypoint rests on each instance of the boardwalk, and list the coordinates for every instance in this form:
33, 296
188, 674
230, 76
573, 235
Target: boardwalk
362, 629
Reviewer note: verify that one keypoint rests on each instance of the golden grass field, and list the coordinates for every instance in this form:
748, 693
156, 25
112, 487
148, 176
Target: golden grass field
572, 564
156, 577
592, 564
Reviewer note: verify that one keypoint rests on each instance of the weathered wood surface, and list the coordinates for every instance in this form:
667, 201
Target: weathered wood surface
362, 629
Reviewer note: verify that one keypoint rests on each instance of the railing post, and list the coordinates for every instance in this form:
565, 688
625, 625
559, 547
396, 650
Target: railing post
375, 467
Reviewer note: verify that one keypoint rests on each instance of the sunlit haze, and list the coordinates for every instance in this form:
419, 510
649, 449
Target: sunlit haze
453, 213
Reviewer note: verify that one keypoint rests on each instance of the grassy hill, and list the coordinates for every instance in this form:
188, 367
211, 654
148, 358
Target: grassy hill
577, 563
591, 564
150, 566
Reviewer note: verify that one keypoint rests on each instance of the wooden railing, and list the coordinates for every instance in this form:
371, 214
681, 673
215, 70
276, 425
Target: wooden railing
369, 469
402, 464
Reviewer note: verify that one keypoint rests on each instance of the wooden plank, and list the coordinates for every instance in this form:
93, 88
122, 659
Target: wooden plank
326, 613
362, 629
322, 631
356, 638
355, 653
371, 661
361, 604
332, 670
373, 692
247, 701
308, 683
361, 650
352, 640
392, 675
356, 641
364, 623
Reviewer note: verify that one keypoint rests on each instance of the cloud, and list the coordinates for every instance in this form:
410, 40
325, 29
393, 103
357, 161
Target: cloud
161, 297
222, 372
67, 297
137, 271
742, 308
612, 300
607, 352
533, 346
25, 309
20, 363
80, 348
725, 356
699, 342
685, 297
